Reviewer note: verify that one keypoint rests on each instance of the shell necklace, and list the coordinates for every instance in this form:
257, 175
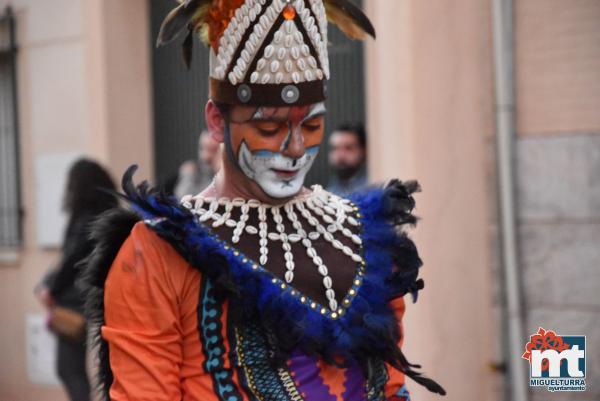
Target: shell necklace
327, 215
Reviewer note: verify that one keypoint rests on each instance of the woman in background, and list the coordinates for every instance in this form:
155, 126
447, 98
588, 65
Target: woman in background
87, 196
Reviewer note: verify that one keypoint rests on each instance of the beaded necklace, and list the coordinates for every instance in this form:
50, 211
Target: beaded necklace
328, 216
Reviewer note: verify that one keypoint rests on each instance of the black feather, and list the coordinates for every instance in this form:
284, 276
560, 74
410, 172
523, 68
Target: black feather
108, 234
355, 14
187, 48
176, 21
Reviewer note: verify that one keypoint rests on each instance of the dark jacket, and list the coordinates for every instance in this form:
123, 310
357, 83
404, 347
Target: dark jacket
76, 247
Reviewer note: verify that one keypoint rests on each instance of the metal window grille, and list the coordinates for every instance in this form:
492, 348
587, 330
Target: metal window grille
180, 96
10, 197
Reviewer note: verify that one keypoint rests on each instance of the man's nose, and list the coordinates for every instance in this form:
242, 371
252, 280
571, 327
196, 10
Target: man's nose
295, 148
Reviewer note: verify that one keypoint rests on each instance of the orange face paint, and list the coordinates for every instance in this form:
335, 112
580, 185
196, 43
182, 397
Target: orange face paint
275, 147
268, 128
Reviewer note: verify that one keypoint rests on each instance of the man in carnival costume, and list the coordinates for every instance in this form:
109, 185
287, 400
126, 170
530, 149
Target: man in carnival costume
257, 288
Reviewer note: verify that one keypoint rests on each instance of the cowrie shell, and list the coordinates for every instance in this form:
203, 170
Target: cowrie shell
261, 64
295, 52
274, 66
269, 50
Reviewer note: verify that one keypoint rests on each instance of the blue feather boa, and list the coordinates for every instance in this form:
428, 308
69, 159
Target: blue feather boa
367, 331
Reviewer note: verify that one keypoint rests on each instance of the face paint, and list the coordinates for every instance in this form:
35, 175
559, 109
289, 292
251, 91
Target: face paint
264, 157
277, 175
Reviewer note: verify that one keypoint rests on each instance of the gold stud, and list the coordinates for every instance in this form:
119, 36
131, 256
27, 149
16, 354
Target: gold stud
334, 315
236, 253
274, 280
323, 311
245, 260
283, 286
313, 305
255, 266
346, 302
357, 282
303, 299
352, 292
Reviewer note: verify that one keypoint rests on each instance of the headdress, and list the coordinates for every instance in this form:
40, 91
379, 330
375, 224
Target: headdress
265, 52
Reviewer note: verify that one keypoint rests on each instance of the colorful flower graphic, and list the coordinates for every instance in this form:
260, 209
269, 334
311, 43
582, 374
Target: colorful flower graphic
542, 341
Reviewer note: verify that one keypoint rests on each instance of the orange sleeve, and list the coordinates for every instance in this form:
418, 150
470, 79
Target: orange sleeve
395, 384
143, 326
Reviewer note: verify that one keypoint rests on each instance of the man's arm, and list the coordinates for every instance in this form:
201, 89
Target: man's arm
142, 315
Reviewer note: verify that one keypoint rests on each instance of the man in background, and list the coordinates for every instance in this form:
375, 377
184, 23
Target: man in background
194, 175
347, 159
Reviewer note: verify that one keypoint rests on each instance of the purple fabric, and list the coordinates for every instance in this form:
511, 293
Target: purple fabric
308, 380
354, 384
306, 372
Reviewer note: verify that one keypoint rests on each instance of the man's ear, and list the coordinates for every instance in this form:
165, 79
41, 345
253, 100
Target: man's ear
215, 121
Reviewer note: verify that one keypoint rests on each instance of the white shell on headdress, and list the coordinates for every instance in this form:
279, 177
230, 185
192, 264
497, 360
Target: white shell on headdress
287, 58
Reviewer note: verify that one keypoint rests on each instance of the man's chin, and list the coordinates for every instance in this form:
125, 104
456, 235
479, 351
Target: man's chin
346, 172
278, 188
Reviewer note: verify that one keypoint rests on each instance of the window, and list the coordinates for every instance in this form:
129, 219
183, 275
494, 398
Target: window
10, 194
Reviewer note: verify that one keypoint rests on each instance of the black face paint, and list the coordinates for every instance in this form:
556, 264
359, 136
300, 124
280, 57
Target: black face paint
228, 146
288, 138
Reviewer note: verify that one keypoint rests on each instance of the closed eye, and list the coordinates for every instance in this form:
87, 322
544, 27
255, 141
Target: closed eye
313, 124
266, 132
268, 128
311, 127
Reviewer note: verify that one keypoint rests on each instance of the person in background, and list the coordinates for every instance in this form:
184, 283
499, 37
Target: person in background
347, 159
194, 176
86, 197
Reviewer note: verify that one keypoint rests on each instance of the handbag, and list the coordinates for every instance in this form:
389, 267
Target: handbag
67, 323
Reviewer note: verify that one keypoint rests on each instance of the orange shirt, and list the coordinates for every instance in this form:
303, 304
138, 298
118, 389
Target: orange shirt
151, 306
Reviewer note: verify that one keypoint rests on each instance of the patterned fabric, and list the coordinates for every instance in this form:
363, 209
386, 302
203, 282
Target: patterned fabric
401, 395
302, 377
260, 377
210, 326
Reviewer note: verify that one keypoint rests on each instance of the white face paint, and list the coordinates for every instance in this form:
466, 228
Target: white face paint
263, 167
279, 176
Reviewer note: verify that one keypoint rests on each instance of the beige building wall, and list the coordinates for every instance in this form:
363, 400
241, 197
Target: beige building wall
557, 65
557, 54
84, 88
431, 101
430, 117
